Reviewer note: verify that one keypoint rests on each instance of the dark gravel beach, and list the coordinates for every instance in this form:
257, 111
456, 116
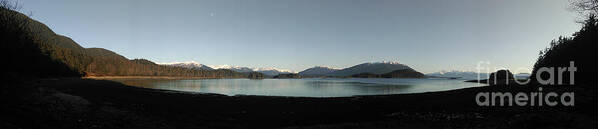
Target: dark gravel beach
87, 103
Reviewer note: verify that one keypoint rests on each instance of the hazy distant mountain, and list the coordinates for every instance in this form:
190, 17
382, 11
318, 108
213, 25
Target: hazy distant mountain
189, 65
459, 74
317, 71
522, 75
272, 71
469, 75
234, 68
266, 71
372, 68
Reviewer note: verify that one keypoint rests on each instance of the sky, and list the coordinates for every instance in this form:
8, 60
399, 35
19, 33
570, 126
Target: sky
427, 35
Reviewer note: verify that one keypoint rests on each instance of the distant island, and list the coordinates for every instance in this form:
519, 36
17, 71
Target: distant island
289, 75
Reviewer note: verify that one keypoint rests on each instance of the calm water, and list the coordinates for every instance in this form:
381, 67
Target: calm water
316, 87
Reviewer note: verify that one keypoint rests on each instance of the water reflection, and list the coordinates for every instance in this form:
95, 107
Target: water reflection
317, 87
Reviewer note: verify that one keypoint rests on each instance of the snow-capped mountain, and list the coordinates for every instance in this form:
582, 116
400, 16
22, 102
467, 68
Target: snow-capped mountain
233, 68
272, 71
372, 68
458, 74
266, 71
317, 71
189, 65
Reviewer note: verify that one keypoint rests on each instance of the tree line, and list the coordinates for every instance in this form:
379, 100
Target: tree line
580, 48
31, 49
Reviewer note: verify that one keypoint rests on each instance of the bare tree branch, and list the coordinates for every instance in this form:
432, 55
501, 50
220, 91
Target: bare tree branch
585, 6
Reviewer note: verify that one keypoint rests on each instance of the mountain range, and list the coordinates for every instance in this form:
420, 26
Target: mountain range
272, 71
233, 68
373, 68
32, 49
189, 65
43, 53
401, 73
370, 69
468, 75
317, 71
198, 66
458, 74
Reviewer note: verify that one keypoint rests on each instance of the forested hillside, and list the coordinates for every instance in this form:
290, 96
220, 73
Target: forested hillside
31, 49
579, 50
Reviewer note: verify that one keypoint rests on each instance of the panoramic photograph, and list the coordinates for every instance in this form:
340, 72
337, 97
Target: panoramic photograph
298, 64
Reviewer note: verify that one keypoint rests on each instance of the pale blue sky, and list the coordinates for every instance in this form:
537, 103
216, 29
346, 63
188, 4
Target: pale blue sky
428, 35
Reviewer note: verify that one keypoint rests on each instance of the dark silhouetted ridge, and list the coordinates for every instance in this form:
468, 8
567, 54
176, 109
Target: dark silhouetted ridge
402, 73
31, 49
581, 48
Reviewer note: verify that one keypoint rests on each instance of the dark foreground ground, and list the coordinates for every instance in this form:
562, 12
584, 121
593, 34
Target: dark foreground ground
82, 103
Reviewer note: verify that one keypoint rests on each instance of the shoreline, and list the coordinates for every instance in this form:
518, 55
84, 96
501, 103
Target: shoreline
108, 104
148, 77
